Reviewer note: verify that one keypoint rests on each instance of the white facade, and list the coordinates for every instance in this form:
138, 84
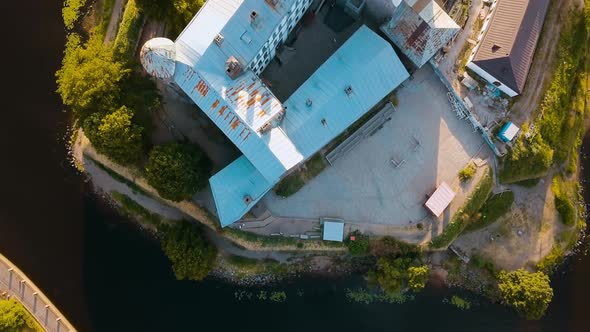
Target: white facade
279, 36
486, 76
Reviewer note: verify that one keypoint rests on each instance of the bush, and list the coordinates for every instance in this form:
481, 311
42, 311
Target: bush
177, 171
360, 246
528, 293
417, 277
192, 257
71, 12
14, 317
460, 303
278, 296
563, 193
116, 136
468, 172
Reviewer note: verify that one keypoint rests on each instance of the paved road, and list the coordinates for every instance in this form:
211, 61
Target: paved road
116, 16
14, 282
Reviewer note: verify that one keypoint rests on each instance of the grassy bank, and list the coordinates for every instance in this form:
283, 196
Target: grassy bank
463, 216
136, 210
129, 31
279, 242
560, 117
495, 207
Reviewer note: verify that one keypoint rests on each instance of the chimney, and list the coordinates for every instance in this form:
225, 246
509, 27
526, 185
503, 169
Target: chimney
233, 69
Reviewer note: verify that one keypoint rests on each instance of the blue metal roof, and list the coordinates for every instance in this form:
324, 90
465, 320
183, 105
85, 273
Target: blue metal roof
232, 185
333, 231
367, 64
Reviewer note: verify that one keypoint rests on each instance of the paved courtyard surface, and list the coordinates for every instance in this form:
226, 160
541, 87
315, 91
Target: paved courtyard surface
426, 140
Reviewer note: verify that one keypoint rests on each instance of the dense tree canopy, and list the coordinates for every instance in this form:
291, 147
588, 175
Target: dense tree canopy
417, 277
192, 257
89, 78
13, 316
115, 135
528, 293
177, 170
71, 12
177, 13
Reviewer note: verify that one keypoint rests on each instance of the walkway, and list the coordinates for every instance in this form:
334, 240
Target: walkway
116, 16
18, 286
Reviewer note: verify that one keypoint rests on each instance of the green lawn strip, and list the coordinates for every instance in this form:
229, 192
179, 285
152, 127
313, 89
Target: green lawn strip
271, 241
129, 29
461, 218
135, 209
105, 16
495, 207
564, 198
134, 186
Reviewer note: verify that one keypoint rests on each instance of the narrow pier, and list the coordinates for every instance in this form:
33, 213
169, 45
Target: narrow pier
14, 282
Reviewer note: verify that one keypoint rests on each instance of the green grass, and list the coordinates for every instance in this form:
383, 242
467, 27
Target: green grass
495, 207
134, 186
552, 260
105, 16
460, 219
293, 182
560, 114
129, 29
270, 241
135, 209
251, 266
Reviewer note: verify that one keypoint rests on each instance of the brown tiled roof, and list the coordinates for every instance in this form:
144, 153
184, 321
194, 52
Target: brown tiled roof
507, 48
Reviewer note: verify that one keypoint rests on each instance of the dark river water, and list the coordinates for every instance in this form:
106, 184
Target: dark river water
106, 275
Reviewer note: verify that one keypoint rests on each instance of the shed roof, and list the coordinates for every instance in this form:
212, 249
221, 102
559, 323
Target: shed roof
333, 231
507, 48
232, 185
420, 28
508, 132
440, 199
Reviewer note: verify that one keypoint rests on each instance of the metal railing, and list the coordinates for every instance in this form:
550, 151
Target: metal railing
14, 282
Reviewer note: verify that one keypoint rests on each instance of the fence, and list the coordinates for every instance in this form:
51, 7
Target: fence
16, 284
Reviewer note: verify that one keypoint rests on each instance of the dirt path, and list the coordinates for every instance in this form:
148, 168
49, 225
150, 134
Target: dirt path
528, 102
116, 16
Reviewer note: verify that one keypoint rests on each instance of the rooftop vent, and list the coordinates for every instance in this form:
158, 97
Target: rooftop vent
233, 68
218, 39
253, 16
308, 102
348, 90
495, 48
324, 122
247, 199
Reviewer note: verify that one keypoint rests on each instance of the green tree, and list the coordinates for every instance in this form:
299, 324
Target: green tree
177, 13
417, 277
391, 274
177, 170
88, 80
71, 12
528, 293
12, 315
192, 257
115, 135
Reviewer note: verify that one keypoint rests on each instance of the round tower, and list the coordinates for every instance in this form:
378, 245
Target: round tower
158, 57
